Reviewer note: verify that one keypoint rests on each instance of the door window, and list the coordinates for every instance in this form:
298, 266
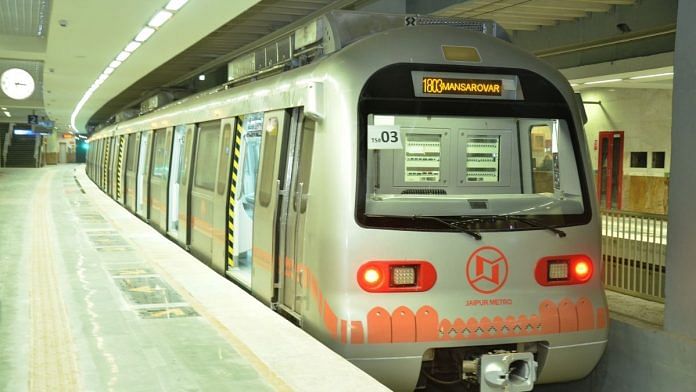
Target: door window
160, 168
270, 141
175, 179
224, 161
208, 139
304, 169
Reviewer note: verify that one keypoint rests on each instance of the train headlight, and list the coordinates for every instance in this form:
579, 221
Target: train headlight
563, 270
372, 276
396, 276
582, 269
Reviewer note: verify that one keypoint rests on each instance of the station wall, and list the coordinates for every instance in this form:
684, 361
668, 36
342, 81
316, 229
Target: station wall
645, 117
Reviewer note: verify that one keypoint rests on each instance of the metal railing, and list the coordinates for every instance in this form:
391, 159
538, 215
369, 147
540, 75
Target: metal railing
633, 253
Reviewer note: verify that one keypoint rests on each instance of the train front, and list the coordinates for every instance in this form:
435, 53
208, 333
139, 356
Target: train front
475, 254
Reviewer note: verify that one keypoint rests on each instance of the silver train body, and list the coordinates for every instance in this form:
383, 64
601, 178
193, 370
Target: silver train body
420, 201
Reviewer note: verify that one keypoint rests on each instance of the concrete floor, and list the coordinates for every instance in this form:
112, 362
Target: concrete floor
93, 299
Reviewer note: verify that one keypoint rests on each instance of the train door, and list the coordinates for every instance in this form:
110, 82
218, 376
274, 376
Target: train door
142, 186
220, 198
120, 169
99, 161
95, 161
159, 177
113, 157
131, 170
105, 163
102, 161
610, 169
242, 197
175, 177
293, 211
185, 174
203, 190
270, 186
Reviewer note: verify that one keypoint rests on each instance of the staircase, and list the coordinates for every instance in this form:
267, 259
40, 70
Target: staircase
21, 152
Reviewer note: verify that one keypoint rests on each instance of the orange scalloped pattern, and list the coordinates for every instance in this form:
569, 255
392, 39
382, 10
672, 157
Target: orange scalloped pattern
403, 325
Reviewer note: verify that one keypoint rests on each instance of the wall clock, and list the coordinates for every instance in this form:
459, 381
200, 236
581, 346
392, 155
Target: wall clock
17, 83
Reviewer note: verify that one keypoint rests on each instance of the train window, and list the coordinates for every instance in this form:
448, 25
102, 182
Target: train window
428, 165
270, 141
224, 160
160, 168
251, 145
208, 138
542, 163
132, 153
305, 162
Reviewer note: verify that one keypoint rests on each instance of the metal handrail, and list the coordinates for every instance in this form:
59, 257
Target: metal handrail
633, 253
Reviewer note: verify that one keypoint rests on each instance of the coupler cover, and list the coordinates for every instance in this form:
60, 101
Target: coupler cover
510, 372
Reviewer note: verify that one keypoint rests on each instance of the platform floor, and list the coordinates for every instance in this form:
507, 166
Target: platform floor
93, 299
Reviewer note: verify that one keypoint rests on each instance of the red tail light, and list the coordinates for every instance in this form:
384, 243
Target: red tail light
396, 276
563, 270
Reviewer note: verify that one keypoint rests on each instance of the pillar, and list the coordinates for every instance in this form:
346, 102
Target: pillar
680, 309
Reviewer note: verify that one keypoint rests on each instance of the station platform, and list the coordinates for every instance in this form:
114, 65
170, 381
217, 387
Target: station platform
93, 299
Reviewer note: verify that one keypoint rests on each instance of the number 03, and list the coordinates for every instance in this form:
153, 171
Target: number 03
389, 137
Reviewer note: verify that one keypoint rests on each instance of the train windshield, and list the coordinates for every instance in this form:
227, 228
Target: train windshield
423, 166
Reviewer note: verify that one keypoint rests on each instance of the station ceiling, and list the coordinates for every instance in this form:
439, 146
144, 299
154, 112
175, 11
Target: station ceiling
67, 44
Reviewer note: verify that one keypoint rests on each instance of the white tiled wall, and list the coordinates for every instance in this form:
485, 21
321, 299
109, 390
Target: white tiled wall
645, 116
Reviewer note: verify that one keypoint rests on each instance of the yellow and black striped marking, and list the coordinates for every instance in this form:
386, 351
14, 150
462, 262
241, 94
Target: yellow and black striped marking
119, 168
105, 163
236, 146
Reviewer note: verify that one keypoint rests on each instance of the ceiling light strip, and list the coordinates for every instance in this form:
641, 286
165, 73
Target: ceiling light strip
144, 34
131, 47
156, 22
603, 81
175, 5
159, 19
652, 76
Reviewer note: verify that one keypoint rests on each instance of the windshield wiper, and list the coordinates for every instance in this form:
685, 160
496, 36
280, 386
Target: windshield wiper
454, 225
533, 223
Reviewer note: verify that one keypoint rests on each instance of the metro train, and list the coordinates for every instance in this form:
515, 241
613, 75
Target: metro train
413, 191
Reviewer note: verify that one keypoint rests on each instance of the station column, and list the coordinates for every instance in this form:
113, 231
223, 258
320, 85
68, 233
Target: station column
680, 316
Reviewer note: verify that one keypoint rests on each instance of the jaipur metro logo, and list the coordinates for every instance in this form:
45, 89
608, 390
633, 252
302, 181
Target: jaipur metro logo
487, 269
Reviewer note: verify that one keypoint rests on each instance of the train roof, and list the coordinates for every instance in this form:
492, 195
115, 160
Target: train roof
315, 41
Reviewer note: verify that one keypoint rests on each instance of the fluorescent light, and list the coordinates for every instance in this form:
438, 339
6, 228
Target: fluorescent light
102, 77
7, 113
573, 84
604, 81
122, 56
131, 47
3, 108
159, 19
175, 5
114, 64
201, 77
108, 71
144, 34
652, 76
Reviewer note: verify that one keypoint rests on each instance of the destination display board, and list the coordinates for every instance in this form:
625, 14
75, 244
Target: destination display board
435, 85
463, 85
